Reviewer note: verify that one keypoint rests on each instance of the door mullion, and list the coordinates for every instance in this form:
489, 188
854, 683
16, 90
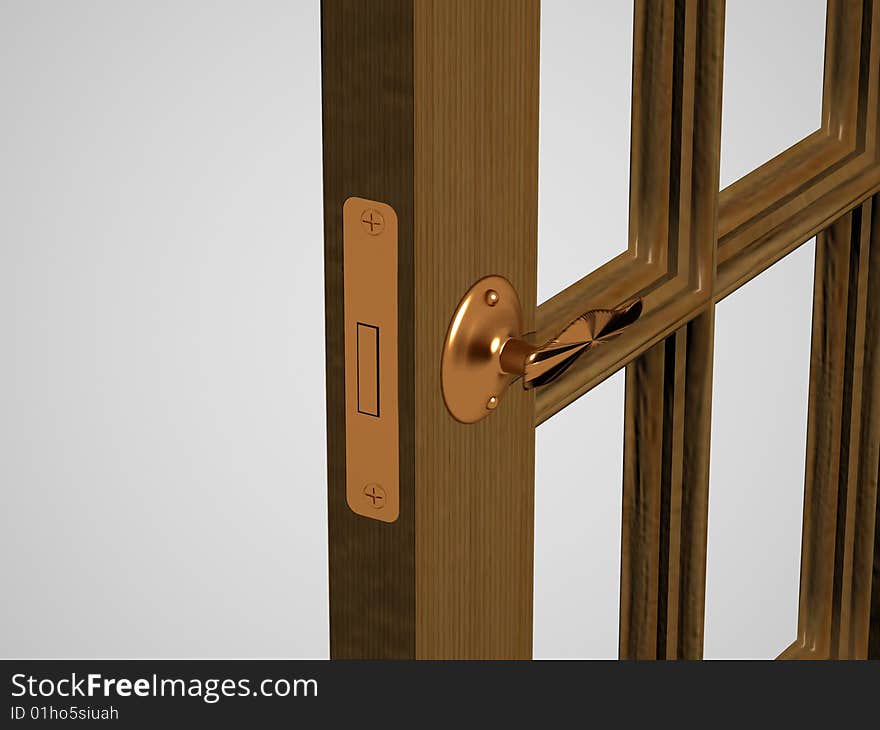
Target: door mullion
669, 387
665, 495
839, 616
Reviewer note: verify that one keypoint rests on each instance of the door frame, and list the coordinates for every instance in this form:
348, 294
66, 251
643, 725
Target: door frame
431, 107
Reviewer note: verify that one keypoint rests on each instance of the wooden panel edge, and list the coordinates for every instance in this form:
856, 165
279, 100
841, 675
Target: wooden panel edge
368, 152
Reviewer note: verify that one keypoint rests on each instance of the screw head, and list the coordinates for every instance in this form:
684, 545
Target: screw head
492, 403
375, 495
372, 221
492, 297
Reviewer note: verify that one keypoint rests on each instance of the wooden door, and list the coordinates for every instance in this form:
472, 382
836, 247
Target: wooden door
431, 115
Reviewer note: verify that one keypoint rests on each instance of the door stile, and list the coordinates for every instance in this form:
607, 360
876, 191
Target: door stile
476, 203
669, 387
431, 108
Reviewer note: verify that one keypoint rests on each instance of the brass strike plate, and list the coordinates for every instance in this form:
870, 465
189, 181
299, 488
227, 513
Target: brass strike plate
369, 239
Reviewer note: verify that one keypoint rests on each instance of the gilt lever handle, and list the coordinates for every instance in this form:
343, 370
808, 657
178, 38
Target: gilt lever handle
543, 364
485, 349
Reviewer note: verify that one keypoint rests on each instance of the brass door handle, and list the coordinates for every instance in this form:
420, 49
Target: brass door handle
486, 350
541, 365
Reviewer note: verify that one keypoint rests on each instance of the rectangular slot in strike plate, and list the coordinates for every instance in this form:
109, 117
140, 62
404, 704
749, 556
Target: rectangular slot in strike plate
369, 242
368, 369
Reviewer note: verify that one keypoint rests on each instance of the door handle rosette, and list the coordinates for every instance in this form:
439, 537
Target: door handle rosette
486, 350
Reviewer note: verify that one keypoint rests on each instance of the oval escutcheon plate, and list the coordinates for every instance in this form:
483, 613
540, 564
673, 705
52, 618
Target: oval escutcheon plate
487, 317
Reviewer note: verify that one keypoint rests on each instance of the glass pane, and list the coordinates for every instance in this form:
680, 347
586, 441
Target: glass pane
583, 178
759, 426
578, 497
773, 60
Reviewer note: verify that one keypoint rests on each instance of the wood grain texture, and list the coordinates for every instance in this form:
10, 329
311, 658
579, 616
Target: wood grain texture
761, 218
665, 496
843, 442
678, 55
825, 185
476, 194
786, 201
368, 152
669, 387
432, 107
